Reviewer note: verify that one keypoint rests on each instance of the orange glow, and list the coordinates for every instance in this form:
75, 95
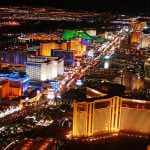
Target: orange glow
94, 118
45, 48
138, 26
6, 90
135, 37
43, 37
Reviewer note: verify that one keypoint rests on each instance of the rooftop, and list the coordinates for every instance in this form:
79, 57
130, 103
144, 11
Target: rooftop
3, 81
42, 59
14, 76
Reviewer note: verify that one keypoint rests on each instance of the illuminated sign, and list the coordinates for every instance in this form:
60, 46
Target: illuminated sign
79, 82
106, 65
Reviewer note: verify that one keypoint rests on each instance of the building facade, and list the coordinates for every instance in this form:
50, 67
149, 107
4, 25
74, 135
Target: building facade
136, 37
138, 26
147, 69
145, 41
44, 68
110, 115
7, 89
16, 80
13, 57
68, 56
45, 48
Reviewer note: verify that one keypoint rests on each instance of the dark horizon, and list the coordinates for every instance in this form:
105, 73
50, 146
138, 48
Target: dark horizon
88, 5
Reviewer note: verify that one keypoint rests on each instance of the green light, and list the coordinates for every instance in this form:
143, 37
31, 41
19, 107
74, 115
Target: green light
68, 34
100, 39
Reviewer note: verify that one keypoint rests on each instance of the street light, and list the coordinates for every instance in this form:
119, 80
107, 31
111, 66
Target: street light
26, 99
38, 92
121, 71
50, 96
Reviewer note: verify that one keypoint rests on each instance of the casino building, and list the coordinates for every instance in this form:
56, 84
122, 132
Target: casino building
145, 39
92, 117
44, 68
45, 48
16, 80
136, 31
147, 69
13, 84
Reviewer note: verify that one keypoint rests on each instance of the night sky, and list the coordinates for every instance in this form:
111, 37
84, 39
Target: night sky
96, 5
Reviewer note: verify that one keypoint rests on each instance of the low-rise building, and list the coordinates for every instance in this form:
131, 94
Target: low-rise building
6, 89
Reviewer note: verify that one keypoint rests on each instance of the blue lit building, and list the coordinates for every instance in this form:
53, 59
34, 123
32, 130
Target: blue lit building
13, 57
54, 84
17, 79
68, 56
86, 42
35, 84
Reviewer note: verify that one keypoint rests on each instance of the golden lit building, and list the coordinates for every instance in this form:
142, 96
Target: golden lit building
77, 47
137, 83
136, 31
45, 48
136, 37
7, 90
148, 147
64, 46
110, 115
147, 69
131, 82
4, 88
15, 91
138, 26
74, 44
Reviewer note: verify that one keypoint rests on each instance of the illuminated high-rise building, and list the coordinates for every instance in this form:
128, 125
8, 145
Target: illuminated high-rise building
13, 57
136, 31
44, 68
136, 37
110, 115
138, 26
45, 48
75, 45
145, 39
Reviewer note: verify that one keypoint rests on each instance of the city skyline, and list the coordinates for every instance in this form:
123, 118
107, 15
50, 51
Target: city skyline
89, 5
74, 74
